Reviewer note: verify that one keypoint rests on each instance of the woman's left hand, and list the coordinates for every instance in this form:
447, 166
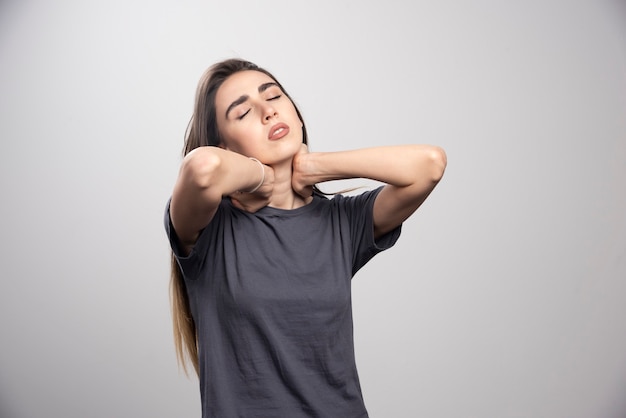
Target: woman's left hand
299, 176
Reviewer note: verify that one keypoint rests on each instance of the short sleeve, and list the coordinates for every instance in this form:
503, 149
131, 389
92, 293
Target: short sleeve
190, 264
360, 212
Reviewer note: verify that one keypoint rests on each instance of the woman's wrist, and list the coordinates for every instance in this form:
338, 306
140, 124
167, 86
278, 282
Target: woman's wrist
258, 186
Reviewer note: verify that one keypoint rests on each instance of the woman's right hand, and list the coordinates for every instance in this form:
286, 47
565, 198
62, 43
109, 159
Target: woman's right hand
252, 202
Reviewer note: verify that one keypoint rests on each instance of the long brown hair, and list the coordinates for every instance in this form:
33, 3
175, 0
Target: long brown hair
202, 131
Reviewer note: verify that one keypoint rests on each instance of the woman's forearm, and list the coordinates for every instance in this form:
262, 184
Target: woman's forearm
400, 166
218, 172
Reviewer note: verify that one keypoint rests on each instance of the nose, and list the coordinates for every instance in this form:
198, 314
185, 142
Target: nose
269, 112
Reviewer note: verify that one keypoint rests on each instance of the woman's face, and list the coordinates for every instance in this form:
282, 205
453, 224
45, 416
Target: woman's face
255, 118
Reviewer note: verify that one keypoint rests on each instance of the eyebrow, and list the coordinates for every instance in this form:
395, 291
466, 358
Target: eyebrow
245, 97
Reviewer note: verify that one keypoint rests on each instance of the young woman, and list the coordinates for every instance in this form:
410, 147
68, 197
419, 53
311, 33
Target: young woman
262, 261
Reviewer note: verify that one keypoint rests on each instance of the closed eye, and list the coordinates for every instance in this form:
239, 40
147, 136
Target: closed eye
275, 97
242, 116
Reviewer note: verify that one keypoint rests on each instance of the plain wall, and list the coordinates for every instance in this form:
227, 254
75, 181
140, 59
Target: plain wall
506, 294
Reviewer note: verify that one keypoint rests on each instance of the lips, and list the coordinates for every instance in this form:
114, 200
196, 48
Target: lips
278, 131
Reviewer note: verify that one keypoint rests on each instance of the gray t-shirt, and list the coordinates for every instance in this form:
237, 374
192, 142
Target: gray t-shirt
270, 296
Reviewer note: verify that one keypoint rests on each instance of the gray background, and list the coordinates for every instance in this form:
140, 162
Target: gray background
506, 294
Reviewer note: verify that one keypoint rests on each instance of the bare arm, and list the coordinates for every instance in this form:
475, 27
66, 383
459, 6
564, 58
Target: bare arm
410, 172
206, 175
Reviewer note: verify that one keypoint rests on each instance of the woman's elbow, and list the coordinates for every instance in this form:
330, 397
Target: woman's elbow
200, 167
437, 161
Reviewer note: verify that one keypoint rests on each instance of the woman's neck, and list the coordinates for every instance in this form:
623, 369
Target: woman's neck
283, 195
